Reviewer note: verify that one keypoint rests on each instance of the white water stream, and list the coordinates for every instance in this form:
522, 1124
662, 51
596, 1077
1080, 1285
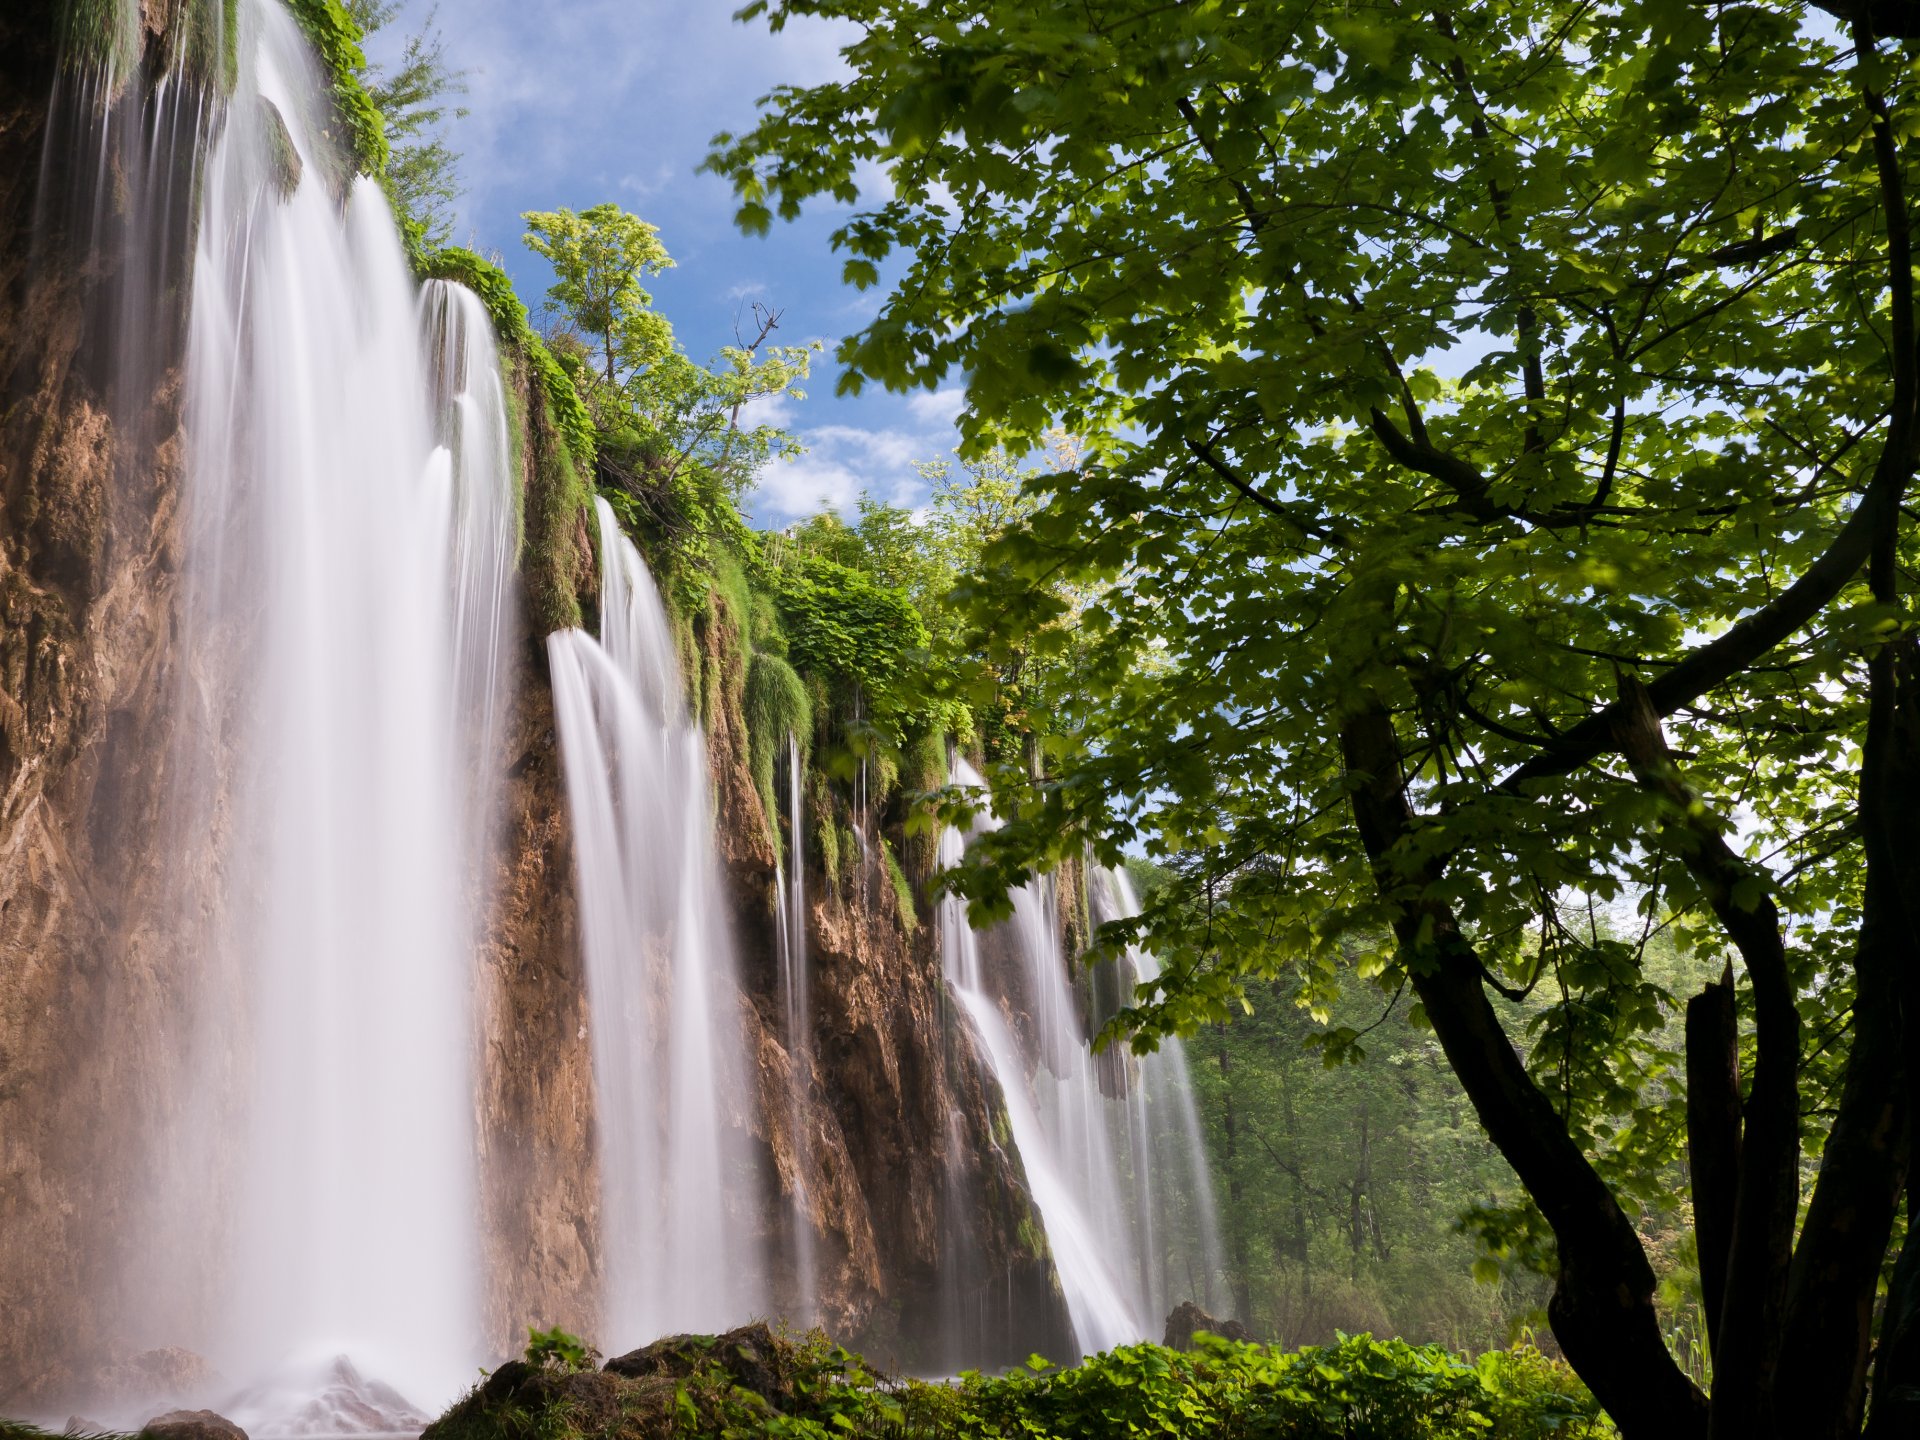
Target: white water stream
346, 588
1105, 1171
679, 1194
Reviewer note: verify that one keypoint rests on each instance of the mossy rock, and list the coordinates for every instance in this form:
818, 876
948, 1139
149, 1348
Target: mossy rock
679, 1386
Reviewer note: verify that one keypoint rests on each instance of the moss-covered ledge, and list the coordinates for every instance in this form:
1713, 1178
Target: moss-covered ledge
557, 439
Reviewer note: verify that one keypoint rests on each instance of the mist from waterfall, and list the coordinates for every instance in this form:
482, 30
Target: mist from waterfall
346, 582
679, 1189
1107, 1172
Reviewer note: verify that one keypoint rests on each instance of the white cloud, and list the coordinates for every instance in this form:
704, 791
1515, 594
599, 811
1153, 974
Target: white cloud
768, 410
938, 407
646, 184
842, 463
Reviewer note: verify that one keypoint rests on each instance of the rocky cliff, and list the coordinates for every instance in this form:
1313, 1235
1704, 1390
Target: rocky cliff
91, 1012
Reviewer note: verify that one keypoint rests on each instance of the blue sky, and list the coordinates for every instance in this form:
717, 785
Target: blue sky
615, 100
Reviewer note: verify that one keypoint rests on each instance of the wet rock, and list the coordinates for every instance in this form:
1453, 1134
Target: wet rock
1188, 1319
191, 1425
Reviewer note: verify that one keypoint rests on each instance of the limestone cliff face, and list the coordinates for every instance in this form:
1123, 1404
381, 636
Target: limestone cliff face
540, 1181
88, 995
539, 1172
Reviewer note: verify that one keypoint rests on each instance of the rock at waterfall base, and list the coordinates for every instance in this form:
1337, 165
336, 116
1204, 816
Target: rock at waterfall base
749, 1356
191, 1425
1188, 1320
742, 1377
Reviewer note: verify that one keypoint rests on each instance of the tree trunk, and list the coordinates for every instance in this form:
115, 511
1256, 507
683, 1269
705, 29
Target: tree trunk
1602, 1309
1713, 1136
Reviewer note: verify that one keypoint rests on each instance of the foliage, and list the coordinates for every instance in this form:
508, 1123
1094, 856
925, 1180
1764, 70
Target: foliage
776, 706
677, 449
1355, 1389
358, 125
858, 635
556, 1349
1497, 421
808, 1388
599, 257
422, 174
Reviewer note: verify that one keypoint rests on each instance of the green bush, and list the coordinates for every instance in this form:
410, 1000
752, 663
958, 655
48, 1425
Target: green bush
1358, 1389
738, 1387
854, 633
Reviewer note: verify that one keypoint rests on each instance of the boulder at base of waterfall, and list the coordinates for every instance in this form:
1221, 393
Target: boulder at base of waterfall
1188, 1320
749, 1355
737, 1383
191, 1425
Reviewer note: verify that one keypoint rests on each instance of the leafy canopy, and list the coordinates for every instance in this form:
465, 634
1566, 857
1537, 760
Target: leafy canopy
1489, 414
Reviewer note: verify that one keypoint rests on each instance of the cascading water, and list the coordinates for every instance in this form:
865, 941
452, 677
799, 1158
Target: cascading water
791, 922
678, 1186
1174, 1211
1093, 1160
346, 570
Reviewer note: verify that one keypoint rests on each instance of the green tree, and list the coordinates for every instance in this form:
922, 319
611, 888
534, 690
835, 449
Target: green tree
414, 98
1500, 419
600, 256
679, 441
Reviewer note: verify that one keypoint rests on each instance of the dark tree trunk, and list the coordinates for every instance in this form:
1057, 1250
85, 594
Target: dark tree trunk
1713, 1136
1602, 1308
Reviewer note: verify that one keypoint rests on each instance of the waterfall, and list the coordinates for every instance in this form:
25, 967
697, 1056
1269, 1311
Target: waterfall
1108, 1173
790, 907
679, 1189
1173, 1180
345, 585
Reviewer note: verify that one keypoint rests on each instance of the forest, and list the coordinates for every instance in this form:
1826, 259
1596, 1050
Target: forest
1337, 861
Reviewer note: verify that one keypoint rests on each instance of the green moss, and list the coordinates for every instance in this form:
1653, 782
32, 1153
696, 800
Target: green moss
286, 158
357, 122
106, 37
776, 706
902, 889
763, 624
825, 836
101, 35
552, 421
510, 324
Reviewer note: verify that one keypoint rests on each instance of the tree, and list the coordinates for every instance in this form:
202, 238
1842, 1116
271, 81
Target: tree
600, 256
1499, 425
678, 441
423, 169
